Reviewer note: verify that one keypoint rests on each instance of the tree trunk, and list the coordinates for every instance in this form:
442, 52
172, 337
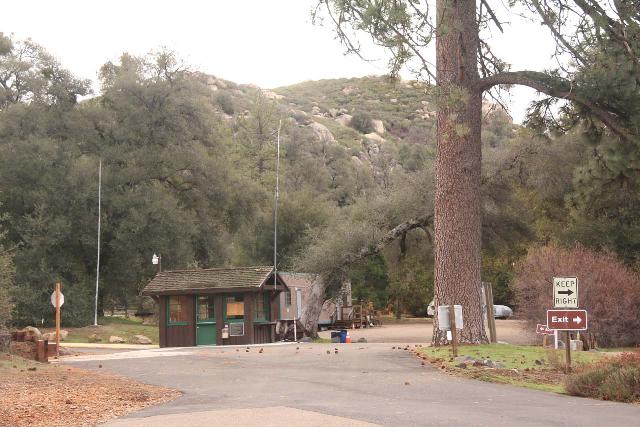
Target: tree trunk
458, 167
312, 308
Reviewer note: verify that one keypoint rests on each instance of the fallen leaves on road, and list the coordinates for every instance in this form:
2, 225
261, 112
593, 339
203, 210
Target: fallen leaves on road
64, 396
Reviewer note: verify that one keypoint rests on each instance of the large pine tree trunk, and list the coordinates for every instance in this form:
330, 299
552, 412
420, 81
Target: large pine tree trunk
458, 167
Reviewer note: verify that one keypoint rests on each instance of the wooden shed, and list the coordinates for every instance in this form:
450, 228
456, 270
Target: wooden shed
294, 299
217, 306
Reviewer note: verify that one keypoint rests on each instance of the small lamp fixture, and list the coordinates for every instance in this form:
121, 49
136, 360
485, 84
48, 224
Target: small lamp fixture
155, 259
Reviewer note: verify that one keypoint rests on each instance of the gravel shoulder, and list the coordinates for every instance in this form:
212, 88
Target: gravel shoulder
510, 331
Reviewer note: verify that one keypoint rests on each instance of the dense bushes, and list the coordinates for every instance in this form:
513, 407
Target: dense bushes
613, 379
609, 290
7, 272
362, 122
226, 103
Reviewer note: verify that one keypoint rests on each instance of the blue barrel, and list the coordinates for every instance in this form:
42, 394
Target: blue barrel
343, 336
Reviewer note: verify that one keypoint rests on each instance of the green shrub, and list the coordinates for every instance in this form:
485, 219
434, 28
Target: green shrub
613, 379
362, 122
226, 103
6, 283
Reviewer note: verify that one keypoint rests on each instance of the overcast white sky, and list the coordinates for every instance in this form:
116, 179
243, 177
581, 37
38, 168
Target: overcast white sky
267, 42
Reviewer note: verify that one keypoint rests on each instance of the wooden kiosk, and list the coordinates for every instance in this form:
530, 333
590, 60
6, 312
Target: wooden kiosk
217, 306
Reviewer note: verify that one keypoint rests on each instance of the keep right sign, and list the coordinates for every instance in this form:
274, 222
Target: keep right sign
567, 320
565, 292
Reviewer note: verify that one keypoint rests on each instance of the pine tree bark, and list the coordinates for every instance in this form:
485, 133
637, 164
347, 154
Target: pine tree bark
457, 216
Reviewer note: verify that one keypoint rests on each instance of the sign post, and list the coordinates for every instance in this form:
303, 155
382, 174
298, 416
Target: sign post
565, 295
450, 319
57, 299
544, 331
57, 320
567, 350
567, 320
454, 332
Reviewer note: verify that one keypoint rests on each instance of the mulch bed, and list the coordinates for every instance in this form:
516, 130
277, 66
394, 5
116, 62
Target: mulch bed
65, 396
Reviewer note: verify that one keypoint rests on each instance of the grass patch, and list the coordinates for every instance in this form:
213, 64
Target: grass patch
322, 341
12, 363
525, 366
514, 356
118, 326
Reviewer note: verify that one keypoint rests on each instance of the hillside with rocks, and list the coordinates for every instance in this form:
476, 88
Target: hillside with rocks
188, 164
394, 119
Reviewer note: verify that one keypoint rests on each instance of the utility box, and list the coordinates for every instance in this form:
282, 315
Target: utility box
576, 345
443, 317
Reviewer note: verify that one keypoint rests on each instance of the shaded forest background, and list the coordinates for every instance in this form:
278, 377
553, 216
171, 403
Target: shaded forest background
188, 173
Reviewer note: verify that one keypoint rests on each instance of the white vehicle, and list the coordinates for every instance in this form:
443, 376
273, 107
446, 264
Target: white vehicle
499, 311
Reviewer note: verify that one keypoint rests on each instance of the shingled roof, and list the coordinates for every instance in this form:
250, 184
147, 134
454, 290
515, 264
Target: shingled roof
210, 279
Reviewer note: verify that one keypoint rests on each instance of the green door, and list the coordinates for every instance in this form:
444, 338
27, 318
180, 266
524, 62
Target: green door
205, 320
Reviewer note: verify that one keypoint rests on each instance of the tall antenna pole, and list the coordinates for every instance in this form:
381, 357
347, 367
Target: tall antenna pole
275, 211
95, 318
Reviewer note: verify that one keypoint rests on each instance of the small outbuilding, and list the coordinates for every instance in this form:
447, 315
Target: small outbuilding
296, 296
217, 306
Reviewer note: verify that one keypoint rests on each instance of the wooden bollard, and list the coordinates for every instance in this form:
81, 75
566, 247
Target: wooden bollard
41, 351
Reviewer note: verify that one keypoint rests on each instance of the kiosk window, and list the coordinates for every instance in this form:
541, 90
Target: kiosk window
177, 310
234, 307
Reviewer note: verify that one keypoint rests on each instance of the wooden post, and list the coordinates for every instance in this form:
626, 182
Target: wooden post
567, 346
491, 320
454, 330
57, 320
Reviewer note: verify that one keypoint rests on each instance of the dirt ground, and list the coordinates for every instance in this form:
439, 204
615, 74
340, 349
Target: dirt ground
34, 394
510, 331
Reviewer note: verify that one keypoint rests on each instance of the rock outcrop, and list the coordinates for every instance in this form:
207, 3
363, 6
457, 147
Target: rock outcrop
322, 132
378, 126
344, 119
141, 339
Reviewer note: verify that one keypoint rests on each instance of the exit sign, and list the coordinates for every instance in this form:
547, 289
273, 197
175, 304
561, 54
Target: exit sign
565, 292
567, 320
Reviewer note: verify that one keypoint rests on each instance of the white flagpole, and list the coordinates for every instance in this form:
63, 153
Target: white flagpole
275, 212
95, 318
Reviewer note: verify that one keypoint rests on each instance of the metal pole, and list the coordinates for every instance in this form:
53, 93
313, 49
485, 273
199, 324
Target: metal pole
295, 318
555, 339
57, 320
95, 317
275, 210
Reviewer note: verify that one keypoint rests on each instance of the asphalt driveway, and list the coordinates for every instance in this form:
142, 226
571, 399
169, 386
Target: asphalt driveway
368, 383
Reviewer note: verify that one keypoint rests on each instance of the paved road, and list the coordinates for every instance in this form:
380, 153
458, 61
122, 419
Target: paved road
363, 382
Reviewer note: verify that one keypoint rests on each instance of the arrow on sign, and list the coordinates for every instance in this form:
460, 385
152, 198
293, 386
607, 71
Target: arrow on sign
577, 319
567, 292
